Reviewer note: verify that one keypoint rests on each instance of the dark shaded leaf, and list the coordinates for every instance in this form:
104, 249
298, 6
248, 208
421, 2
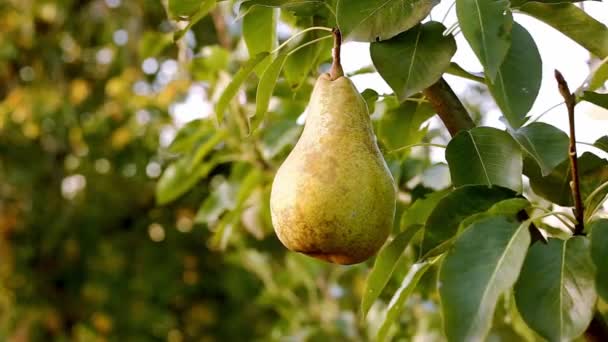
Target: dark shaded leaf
486, 25
518, 79
443, 222
484, 262
546, 144
485, 155
599, 254
555, 292
415, 59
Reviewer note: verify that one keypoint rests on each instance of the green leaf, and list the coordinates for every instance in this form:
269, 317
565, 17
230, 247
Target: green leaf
370, 96
555, 292
236, 83
400, 126
259, 32
574, 23
183, 8
398, 300
599, 254
518, 79
485, 155
602, 143
442, 224
385, 264
546, 144
596, 98
486, 25
178, 178
321, 8
205, 147
153, 43
372, 20
555, 187
300, 63
597, 78
483, 263
189, 135
205, 7
415, 59
266, 87
457, 70
419, 212
509, 207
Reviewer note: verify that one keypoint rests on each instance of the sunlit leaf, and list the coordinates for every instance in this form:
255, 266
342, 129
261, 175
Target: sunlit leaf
596, 98
409, 283
383, 268
574, 23
265, 89
372, 20
236, 83
259, 32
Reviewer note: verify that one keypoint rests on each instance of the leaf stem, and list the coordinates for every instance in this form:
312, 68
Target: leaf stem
448, 11
297, 34
306, 44
570, 101
415, 145
547, 111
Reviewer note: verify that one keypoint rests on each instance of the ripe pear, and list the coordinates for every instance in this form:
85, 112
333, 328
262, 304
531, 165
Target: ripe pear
334, 198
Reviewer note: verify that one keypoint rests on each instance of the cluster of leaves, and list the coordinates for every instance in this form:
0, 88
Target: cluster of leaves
485, 236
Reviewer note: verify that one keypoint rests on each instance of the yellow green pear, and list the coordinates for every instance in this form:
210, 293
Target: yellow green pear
334, 198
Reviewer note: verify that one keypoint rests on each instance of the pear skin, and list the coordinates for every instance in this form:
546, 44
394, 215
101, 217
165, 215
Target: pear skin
334, 198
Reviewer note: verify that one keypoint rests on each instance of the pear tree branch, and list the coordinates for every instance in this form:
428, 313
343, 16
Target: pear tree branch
449, 108
570, 101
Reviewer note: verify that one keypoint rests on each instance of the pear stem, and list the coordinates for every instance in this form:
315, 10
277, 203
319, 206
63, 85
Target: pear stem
336, 68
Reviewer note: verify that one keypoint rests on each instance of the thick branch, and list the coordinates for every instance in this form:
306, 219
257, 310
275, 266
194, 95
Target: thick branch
449, 108
570, 101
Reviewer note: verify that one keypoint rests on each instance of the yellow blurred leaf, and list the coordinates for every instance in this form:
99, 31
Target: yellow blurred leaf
79, 91
121, 137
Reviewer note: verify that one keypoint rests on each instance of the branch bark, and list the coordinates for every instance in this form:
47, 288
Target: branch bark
449, 108
570, 101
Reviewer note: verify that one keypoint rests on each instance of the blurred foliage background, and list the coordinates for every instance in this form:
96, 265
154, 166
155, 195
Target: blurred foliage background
87, 90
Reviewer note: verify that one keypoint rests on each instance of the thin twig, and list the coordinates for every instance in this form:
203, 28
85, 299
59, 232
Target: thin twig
570, 101
223, 36
336, 67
